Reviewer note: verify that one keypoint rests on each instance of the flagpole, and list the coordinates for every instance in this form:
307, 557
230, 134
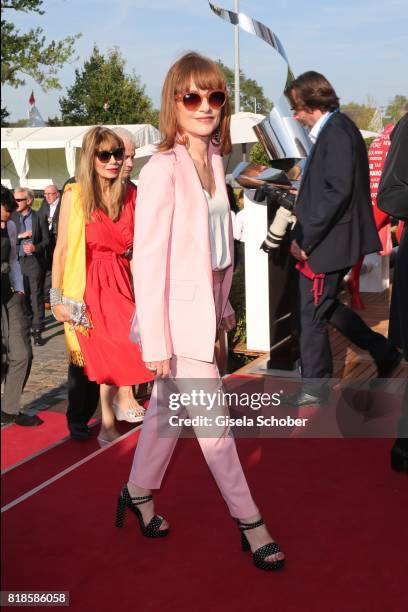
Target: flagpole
236, 61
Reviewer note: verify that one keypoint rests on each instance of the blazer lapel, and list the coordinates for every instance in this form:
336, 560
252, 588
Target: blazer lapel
192, 198
313, 150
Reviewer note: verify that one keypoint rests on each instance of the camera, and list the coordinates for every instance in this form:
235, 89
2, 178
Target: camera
284, 217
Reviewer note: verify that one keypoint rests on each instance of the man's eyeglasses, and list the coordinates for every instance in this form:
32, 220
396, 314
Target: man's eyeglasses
21, 199
50, 193
104, 156
192, 99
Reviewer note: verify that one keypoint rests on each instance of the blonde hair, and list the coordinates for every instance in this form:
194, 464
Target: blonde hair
87, 177
205, 74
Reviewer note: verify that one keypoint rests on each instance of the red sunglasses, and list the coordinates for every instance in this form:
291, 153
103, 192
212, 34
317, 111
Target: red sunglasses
192, 99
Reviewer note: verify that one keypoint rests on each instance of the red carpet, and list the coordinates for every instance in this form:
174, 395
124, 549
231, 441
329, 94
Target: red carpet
25, 477
17, 443
47, 464
335, 507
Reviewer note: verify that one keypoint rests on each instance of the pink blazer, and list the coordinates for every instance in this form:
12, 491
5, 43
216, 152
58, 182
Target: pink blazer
175, 312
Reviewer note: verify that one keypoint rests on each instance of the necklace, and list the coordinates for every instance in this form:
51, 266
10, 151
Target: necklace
205, 174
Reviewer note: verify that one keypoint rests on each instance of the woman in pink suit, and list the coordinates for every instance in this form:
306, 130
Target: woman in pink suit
182, 267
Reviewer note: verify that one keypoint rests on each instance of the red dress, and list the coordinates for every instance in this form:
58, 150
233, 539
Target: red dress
110, 357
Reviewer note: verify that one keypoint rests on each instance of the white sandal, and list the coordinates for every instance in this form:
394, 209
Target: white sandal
131, 415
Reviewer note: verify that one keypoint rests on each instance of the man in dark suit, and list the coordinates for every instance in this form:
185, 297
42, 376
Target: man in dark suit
393, 199
32, 242
50, 210
335, 227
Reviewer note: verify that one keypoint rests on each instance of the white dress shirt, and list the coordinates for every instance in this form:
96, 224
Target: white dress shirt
314, 132
239, 226
53, 208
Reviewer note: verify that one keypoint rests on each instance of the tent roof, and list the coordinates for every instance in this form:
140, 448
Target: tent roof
368, 134
10, 137
241, 127
60, 137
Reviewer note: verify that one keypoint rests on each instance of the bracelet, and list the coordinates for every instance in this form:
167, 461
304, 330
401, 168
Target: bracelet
53, 313
55, 296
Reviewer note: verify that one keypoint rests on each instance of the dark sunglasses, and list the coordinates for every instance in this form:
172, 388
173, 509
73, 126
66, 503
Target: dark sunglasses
21, 199
104, 156
192, 99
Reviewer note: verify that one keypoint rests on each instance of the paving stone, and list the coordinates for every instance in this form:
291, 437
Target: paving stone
47, 384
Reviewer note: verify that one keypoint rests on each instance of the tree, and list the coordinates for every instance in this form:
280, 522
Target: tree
104, 94
4, 115
361, 114
251, 93
28, 53
396, 108
258, 155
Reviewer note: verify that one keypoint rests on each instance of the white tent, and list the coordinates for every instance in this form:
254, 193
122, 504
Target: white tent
37, 156
242, 135
367, 134
241, 127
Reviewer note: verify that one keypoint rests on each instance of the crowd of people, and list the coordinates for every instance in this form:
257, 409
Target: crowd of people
140, 278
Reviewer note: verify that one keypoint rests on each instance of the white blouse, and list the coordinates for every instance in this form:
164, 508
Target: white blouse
219, 227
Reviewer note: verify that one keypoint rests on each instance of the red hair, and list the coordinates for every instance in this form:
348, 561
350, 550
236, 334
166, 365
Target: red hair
206, 74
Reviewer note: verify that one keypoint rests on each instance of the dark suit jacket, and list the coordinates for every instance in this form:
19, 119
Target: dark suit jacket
335, 218
393, 199
393, 189
44, 211
40, 237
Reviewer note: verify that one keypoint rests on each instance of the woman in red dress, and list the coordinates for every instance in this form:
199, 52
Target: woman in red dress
91, 278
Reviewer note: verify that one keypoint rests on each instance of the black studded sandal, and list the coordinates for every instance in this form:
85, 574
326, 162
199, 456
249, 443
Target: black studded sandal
259, 556
152, 530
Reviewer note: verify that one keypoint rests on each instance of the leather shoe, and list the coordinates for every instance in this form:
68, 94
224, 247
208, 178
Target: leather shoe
302, 398
24, 420
38, 339
78, 431
399, 455
386, 368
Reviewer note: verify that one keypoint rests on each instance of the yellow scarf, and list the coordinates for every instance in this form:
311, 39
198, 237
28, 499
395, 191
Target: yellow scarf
74, 278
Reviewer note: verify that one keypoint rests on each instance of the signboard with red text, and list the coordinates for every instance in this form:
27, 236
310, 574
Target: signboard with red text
377, 154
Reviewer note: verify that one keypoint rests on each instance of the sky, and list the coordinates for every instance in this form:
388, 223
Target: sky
359, 45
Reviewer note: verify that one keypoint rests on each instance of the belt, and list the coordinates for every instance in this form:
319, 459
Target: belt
109, 255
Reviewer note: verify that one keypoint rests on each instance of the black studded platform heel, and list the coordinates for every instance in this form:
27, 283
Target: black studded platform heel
259, 556
152, 530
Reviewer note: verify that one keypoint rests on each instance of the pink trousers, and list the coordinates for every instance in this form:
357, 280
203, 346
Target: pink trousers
153, 452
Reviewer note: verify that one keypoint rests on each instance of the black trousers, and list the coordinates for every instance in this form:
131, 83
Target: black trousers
48, 273
33, 277
83, 396
398, 328
403, 422
15, 333
47, 286
315, 349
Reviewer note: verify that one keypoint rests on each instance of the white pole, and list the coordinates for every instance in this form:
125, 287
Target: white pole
236, 60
